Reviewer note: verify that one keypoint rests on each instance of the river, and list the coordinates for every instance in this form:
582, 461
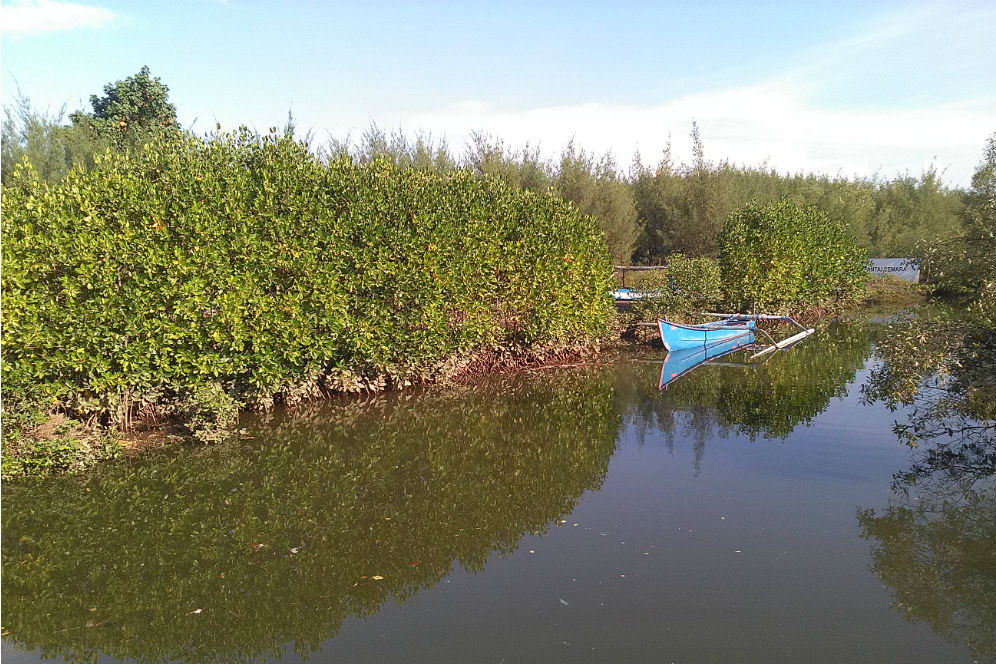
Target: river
742, 513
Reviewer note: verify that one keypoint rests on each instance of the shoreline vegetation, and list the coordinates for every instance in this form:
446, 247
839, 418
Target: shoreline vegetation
192, 278
156, 283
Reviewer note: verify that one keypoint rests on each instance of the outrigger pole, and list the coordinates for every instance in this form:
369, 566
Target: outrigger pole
777, 345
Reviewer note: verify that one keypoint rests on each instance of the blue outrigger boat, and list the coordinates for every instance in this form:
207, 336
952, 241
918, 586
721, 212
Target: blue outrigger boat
677, 336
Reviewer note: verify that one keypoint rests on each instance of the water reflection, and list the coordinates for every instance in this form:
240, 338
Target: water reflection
935, 543
253, 550
680, 362
761, 400
229, 554
935, 547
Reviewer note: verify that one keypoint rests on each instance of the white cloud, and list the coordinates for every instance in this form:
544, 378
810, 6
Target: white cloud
46, 15
770, 124
781, 122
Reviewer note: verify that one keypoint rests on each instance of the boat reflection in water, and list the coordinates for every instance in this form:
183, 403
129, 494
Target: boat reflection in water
679, 362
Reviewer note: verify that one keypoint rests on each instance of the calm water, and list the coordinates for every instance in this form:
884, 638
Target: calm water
741, 514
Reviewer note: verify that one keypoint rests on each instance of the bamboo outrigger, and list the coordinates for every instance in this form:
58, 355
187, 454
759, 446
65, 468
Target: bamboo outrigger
775, 345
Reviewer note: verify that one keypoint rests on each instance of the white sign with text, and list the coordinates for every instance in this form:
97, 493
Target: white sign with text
905, 268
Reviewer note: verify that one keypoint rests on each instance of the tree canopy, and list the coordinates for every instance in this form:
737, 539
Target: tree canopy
130, 111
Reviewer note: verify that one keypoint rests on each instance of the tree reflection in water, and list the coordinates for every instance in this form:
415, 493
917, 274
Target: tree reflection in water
936, 543
936, 546
235, 554
768, 400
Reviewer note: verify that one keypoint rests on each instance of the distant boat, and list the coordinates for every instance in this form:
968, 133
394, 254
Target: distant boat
629, 295
677, 336
680, 362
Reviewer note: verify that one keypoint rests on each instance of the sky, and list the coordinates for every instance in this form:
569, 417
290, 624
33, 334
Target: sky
844, 88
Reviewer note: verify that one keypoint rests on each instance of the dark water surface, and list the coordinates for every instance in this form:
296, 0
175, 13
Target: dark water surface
742, 514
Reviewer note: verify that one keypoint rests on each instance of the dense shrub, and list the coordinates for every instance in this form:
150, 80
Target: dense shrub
687, 285
188, 275
783, 256
963, 262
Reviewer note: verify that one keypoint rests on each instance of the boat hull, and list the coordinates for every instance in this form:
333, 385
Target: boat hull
676, 336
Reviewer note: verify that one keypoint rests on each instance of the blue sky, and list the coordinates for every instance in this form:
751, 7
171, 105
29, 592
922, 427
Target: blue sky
850, 88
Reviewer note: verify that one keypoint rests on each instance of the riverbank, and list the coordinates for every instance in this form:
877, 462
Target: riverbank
55, 443
40, 442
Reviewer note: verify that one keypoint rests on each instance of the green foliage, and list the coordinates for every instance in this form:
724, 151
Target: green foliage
42, 139
911, 210
682, 207
208, 412
246, 263
687, 285
782, 257
423, 153
235, 552
65, 454
593, 184
488, 156
942, 367
36, 442
963, 261
131, 111
596, 188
